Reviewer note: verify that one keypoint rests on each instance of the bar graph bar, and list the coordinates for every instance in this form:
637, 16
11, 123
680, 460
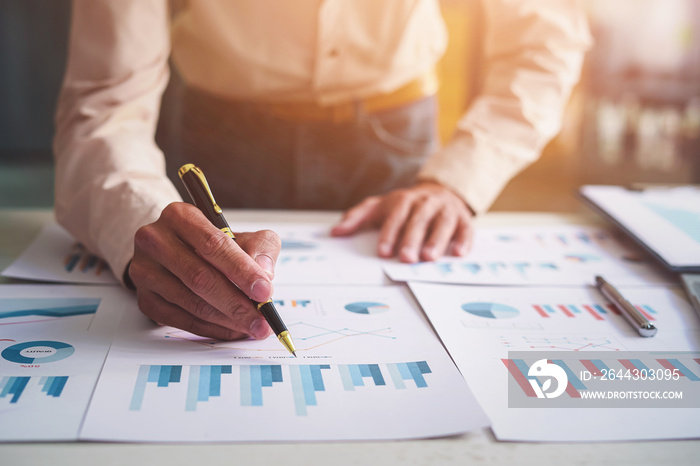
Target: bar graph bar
409, 371
53, 385
493, 269
303, 382
306, 380
519, 369
682, 369
13, 387
596, 311
254, 378
79, 259
204, 382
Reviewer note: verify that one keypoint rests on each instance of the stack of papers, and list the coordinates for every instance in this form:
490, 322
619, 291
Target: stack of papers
370, 365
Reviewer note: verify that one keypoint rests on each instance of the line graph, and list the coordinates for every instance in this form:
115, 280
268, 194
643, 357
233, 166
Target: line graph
561, 343
28, 310
307, 337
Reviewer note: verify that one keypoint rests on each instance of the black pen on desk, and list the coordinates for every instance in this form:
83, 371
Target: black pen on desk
628, 311
198, 188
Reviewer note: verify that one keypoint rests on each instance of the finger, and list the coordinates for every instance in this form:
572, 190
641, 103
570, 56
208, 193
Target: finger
154, 278
263, 247
462, 240
416, 229
194, 273
217, 249
166, 313
393, 224
442, 230
357, 217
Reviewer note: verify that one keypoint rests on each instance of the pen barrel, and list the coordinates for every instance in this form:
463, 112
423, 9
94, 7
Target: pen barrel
198, 189
627, 310
268, 310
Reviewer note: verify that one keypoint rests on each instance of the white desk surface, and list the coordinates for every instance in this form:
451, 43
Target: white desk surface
18, 228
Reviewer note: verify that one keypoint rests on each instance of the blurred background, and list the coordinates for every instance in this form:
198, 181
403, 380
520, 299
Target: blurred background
634, 117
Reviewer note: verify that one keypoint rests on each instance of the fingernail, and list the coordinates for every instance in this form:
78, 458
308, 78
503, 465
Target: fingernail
384, 249
261, 290
429, 253
259, 329
408, 255
265, 262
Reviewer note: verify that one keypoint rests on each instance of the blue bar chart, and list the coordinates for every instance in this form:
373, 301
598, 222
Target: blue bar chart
299, 384
79, 259
13, 387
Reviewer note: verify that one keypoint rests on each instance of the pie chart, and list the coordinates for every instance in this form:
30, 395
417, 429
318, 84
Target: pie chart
491, 310
37, 352
365, 307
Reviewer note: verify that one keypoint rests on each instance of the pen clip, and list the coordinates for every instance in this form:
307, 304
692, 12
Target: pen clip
196, 171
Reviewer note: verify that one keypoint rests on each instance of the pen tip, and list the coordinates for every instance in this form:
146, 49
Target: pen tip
294, 353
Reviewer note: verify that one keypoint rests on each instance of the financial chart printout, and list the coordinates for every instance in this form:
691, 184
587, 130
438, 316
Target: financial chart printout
556, 323
53, 342
561, 255
369, 367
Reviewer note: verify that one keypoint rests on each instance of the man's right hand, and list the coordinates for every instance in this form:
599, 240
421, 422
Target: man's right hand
190, 275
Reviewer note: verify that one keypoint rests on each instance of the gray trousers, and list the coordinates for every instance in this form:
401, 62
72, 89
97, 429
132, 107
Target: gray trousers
254, 159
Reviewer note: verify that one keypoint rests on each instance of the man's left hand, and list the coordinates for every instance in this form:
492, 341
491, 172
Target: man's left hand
423, 222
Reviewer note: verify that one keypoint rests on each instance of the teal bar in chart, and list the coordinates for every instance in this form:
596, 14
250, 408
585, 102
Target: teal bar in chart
254, 378
352, 375
302, 381
402, 371
204, 382
13, 386
53, 385
306, 380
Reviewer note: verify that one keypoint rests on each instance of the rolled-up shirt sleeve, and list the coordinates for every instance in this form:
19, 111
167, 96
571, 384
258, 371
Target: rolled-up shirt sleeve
110, 175
534, 51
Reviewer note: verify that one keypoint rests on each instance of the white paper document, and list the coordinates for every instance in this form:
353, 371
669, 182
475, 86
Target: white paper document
666, 220
481, 325
369, 368
309, 255
55, 256
53, 342
562, 255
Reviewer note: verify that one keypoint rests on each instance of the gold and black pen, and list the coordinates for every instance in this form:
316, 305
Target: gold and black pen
198, 188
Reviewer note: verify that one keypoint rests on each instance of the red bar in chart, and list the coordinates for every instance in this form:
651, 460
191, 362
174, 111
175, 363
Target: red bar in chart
566, 311
593, 312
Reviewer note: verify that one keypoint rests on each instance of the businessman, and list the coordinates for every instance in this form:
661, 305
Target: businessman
304, 104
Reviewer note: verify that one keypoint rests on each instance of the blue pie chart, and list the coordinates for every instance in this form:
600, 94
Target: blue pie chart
491, 310
37, 352
366, 307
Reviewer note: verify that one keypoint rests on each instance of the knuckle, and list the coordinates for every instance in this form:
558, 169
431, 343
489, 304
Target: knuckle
201, 280
146, 238
236, 310
214, 244
271, 239
200, 308
137, 272
174, 210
